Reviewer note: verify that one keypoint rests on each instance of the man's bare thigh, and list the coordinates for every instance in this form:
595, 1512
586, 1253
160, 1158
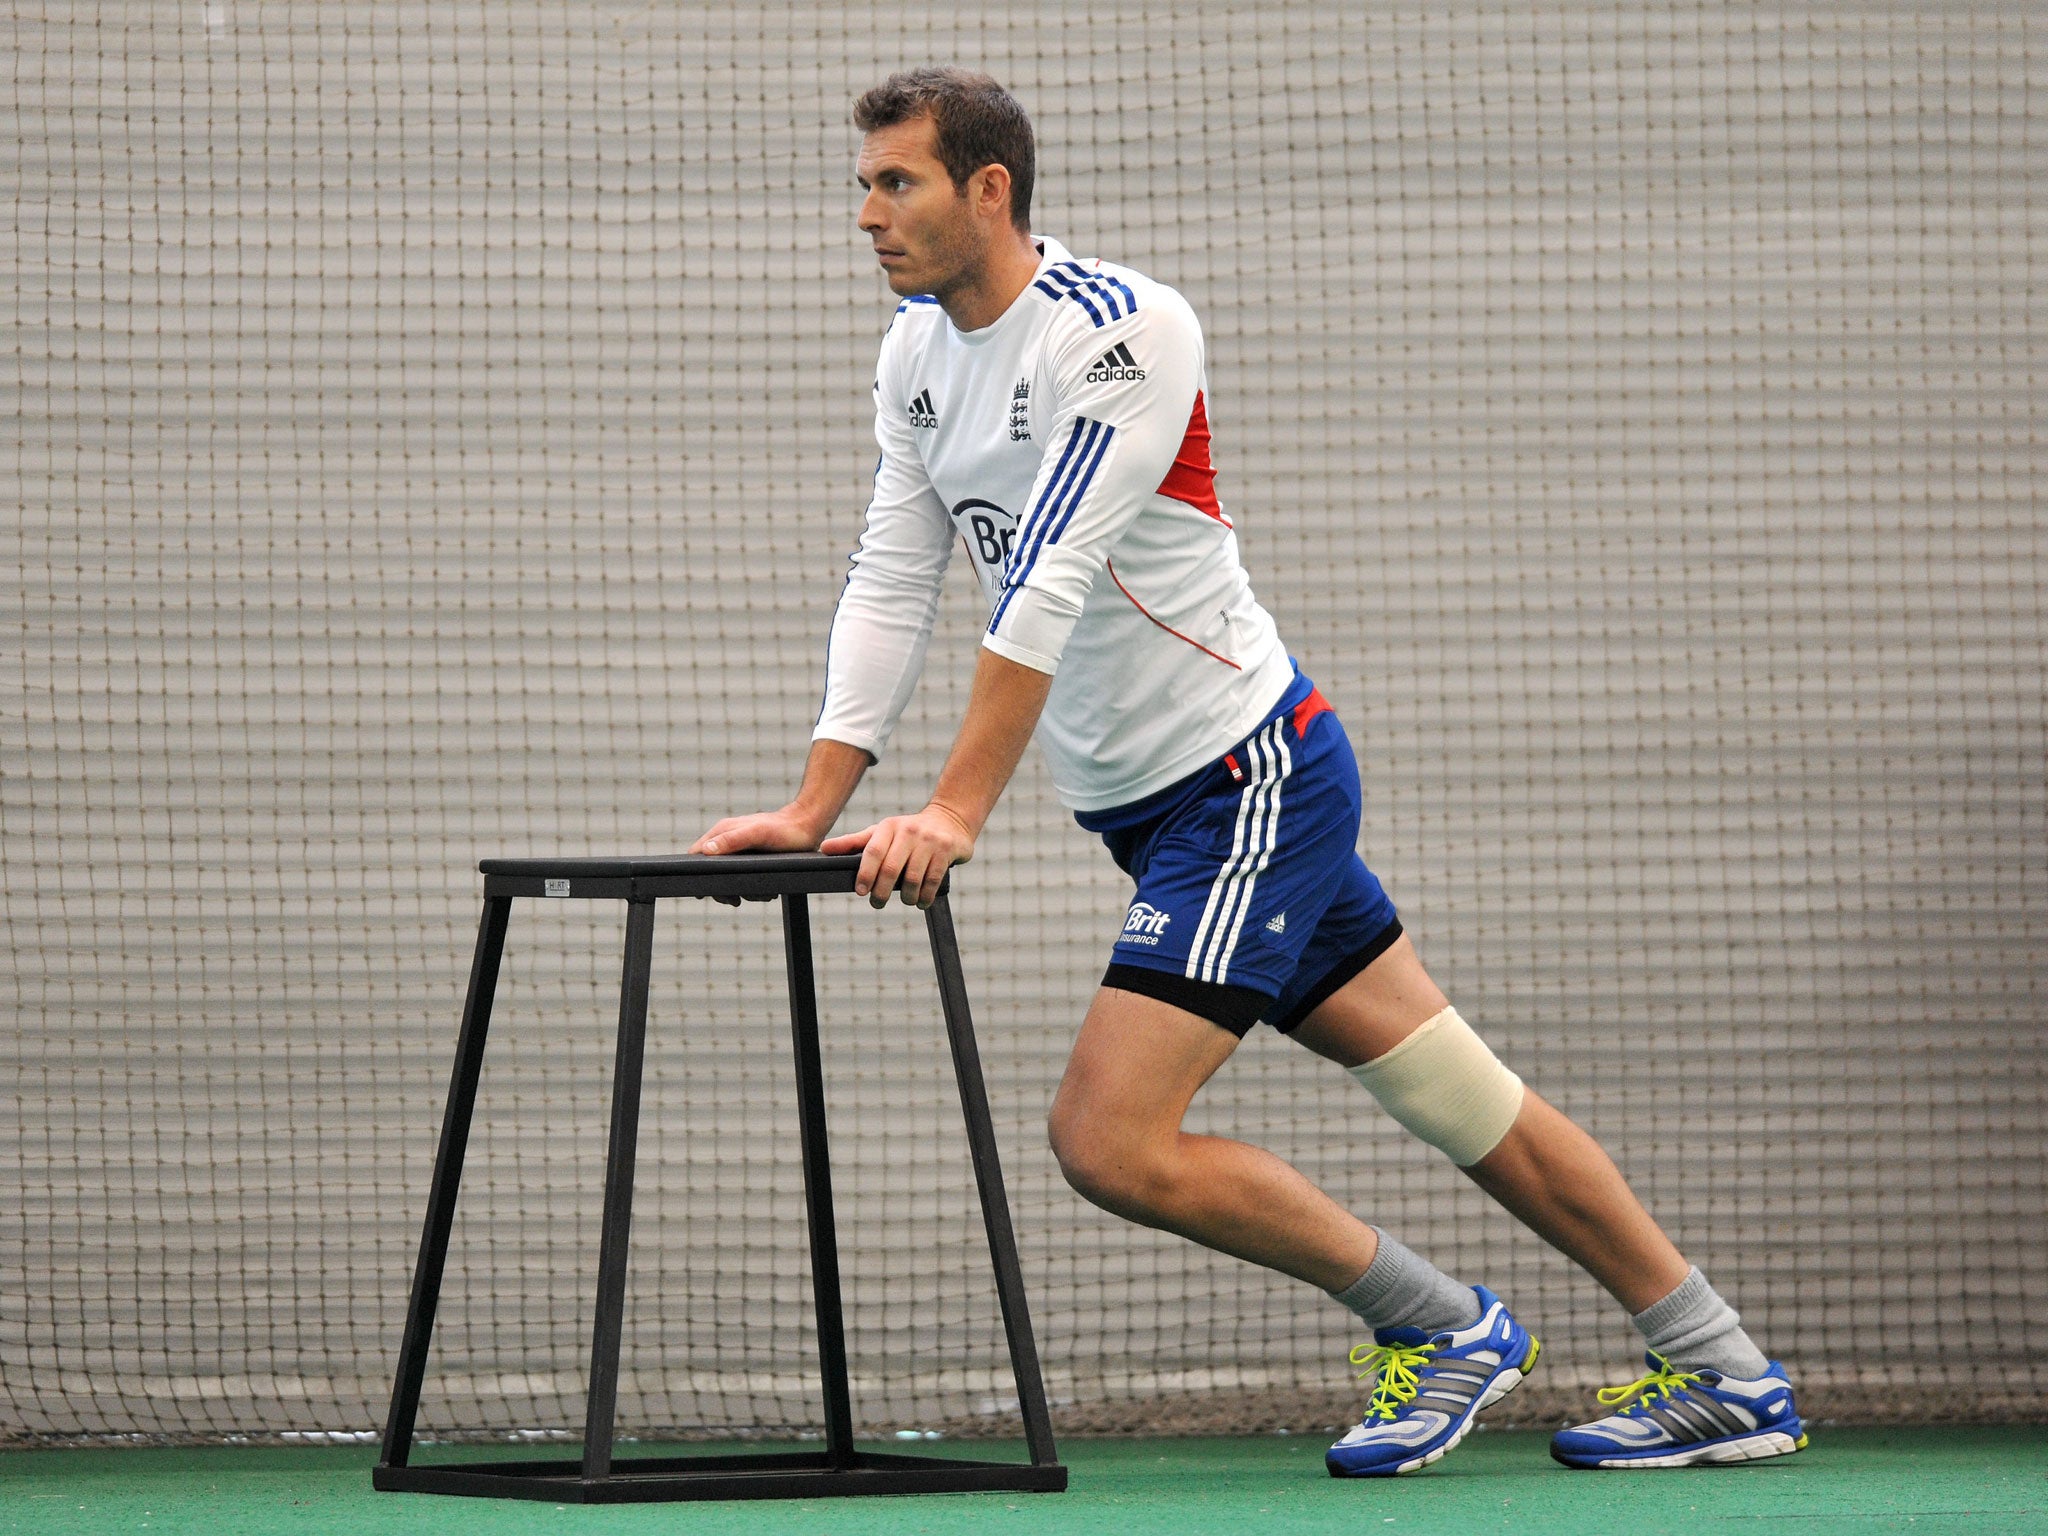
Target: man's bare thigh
1138, 1063
1375, 1010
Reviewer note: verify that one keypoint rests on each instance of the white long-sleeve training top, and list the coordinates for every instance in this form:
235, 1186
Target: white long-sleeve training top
1066, 447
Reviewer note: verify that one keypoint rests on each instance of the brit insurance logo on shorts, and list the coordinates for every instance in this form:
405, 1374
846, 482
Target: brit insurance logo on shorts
1144, 923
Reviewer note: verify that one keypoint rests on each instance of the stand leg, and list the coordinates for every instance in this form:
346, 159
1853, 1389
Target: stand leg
810, 1103
426, 1277
601, 1408
988, 1178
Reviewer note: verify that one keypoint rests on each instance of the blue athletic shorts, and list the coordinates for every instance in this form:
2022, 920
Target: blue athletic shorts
1252, 901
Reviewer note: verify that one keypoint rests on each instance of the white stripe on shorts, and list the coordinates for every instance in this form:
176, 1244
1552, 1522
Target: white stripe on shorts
1222, 880
1265, 844
1250, 851
1263, 762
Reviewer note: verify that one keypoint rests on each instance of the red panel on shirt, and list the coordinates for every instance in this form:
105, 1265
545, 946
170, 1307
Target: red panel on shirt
1192, 478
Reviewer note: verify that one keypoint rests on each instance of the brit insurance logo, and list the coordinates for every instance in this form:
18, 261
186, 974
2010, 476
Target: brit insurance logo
922, 412
1116, 363
1144, 923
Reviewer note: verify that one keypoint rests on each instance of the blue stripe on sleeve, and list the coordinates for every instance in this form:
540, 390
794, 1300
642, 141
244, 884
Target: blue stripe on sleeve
1103, 285
1035, 523
1087, 475
1062, 494
1056, 509
1104, 297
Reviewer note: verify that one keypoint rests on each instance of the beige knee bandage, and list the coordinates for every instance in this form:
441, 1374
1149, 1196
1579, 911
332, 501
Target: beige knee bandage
1443, 1084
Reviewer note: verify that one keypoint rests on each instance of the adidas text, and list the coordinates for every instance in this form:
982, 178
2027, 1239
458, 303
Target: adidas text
1116, 363
922, 412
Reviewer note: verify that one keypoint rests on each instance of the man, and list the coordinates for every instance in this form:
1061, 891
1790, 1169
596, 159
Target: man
1049, 415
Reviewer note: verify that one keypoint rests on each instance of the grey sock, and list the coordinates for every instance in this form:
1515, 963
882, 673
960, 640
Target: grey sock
1401, 1289
1695, 1329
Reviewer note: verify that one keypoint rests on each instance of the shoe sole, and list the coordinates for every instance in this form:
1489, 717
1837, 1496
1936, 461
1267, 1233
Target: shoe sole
1713, 1453
1510, 1378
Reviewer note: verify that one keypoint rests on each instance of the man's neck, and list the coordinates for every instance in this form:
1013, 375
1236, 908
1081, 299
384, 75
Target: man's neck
981, 300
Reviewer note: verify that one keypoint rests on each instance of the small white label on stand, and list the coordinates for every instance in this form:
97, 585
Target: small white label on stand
556, 887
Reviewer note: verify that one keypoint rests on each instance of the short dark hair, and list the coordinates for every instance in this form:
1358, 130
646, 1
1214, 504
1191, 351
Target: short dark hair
976, 123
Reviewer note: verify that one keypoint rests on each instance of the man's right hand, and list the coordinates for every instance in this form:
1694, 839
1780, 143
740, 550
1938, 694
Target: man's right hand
785, 831
830, 774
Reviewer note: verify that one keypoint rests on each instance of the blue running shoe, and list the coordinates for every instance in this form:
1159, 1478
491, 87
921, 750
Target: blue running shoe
1674, 1418
1429, 1387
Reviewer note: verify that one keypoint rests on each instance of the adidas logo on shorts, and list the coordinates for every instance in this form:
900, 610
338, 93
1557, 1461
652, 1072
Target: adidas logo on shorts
1277, 923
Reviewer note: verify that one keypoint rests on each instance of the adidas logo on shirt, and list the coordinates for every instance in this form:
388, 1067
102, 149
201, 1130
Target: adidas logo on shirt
922, 412
1116, 363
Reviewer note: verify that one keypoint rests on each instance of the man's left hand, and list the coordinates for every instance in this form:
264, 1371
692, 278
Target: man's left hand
907, 854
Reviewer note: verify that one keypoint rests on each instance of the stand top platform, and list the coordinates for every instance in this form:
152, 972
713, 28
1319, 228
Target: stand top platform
645, 877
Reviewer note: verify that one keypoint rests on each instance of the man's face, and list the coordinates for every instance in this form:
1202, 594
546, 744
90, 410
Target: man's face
924, 230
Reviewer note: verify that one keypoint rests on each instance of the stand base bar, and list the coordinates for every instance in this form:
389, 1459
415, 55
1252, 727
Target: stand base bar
766, 1475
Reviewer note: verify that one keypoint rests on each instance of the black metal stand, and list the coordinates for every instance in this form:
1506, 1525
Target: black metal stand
839, 1468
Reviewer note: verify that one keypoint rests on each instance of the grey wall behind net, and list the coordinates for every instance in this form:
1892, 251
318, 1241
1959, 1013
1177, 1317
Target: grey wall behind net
437, 431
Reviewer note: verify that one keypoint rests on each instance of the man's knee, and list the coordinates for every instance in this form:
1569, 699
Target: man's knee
1447, 1087
1115, 1122
1106, 1163
1080, 1146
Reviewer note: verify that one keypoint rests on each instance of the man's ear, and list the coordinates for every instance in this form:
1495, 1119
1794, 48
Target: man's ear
991, 189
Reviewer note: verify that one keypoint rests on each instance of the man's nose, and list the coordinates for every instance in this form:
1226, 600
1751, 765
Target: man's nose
871, 219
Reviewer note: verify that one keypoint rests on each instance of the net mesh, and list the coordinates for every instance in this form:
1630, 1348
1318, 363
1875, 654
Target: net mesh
436, 431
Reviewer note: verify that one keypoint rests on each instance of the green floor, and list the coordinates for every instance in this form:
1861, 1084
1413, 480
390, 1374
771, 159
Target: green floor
1862, 1480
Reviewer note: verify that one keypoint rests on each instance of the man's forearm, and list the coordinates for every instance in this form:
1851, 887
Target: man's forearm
831, 773
913, 853
1002, 712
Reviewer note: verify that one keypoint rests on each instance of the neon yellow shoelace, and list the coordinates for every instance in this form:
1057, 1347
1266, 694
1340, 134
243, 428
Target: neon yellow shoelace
1645, 1390
1398, 1367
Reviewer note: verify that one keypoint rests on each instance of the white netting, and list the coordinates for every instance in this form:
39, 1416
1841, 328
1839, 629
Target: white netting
436, 431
